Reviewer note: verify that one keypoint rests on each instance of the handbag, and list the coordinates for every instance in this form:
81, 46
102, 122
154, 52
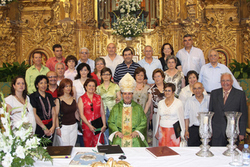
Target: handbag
99, 138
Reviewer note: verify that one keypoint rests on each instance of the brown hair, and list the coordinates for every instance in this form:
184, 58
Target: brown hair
105, 69
156, 71
139, 70
62, 85
13, 92
88, 81
170, 85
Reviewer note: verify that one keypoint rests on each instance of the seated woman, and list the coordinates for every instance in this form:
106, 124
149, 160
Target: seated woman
127, 121
17, 100
66, 106
44, 109
170, 110
90, 108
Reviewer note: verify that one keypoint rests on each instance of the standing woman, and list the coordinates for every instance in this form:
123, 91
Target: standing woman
156, 94
83, 73
172, 75
66, 105
17, 100
99, 65
44, 109
109, 92
90, 108
169, 112
187, 91
166, 51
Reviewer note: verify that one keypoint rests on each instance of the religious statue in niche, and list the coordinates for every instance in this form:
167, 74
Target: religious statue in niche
150, 9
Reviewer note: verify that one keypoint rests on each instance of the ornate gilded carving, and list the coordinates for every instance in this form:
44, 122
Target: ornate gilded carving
215, 24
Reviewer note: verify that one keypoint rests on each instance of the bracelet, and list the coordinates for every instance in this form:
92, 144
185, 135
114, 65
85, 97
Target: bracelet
44, 128
58, 128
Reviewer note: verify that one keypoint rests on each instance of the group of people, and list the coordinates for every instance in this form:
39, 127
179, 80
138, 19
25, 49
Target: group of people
67, 95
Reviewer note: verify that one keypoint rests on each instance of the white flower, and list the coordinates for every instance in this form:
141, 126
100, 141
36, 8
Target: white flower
20, 152
122, 10
7, 160
7, 148
32, 143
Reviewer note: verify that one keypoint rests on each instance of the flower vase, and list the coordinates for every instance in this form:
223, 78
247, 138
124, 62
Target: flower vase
205, 132
232, 132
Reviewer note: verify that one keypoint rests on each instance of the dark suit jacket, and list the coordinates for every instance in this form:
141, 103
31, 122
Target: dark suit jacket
236, 101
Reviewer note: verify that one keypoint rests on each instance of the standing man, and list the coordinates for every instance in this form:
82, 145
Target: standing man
84, 58
195, 104
210, 73
191, 58
150, 64
34, 71
127, 121
112, 59
225, 99
127, 66
52, 86
51, 62
60, 70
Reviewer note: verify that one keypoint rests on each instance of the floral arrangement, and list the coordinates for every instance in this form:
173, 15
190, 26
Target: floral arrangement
128, 26
129, 5
4, 2
18, 146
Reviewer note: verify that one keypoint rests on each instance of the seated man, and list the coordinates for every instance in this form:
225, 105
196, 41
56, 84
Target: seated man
127, 121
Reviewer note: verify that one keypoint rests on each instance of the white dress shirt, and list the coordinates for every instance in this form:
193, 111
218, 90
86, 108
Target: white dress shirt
193, 107
193, 60
112, 64
210, 76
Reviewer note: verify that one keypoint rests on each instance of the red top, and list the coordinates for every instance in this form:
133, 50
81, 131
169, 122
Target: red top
88, 113
51, 63
54, 94
95, 77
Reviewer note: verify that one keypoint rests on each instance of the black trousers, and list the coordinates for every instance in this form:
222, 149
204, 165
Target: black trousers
194, 137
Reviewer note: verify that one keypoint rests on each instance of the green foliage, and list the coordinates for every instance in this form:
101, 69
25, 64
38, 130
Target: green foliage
10, 71
240, 70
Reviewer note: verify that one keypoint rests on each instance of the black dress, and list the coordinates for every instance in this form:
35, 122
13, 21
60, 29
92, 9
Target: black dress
48, 102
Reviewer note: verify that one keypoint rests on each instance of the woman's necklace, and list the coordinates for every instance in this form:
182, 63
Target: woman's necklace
139, 93
21, 101
140, 86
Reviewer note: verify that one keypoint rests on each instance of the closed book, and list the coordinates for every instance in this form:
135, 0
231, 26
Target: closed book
60, 151
86, 159
161, 151
110, 149
177, 129
97, 123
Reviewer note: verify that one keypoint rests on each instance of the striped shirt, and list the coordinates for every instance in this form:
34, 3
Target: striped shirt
123, 69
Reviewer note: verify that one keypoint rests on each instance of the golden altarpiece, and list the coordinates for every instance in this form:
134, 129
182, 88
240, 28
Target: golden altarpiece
30, 25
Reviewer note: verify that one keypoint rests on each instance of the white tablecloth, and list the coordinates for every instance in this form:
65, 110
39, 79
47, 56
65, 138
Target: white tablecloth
139, 157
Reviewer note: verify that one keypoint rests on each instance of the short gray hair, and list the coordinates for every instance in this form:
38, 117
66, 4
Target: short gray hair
226, 73
84, 48
148, 46
59, 64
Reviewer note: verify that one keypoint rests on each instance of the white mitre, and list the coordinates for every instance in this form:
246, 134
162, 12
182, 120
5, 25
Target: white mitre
127, 83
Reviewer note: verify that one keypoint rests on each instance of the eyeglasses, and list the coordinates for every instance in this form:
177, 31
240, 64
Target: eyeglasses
167, 90
91, 105
84, 53
106, 74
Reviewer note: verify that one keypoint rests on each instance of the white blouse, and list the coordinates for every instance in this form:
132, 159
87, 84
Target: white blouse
16, 115
79, 88
167, 116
